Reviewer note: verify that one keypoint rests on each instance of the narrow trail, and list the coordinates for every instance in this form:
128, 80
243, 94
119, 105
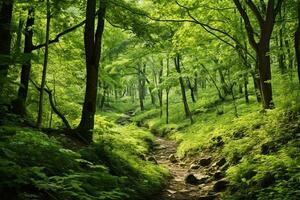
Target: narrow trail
200, 178
177, 188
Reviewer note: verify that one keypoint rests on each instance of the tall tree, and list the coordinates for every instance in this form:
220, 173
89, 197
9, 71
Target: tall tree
5, 38
297, 41
187, 111
160, 90
266, 21
19, 103
93, 43
43, 82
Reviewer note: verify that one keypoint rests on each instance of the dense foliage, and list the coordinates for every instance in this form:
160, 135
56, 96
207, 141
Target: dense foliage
220, 77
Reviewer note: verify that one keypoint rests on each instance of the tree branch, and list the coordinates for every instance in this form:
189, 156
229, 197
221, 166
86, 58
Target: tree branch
58, 36
256, 12
55, 110
247, 22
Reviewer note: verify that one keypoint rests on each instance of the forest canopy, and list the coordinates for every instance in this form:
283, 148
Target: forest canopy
125, 93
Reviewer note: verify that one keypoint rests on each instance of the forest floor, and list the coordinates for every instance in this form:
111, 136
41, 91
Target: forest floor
177, 188
192, 178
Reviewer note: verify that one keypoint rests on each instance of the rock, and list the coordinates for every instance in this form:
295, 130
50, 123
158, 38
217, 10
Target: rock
218, 175
220, 185
202, 179
195, 166
172, 158
171, 191
191, 179
205, 161
221, 162
152, 159
184, 191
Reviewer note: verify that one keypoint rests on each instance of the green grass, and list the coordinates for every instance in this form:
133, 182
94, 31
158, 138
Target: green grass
254, 172
34, 165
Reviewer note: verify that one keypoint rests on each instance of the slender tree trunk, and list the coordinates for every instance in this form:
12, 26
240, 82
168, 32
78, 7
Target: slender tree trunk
43, 82
196, 84
213, 80
19, 104
160, 90
223, 83
246, 88
5, 38
141, 89
167, 93
281, 55
103, 97
93, 46
265, 76
191, 90
152, 96
187, 111
297, 42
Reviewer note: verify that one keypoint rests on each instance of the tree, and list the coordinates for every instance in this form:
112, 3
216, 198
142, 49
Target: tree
19, 103
5, 39
45, 65
262, 47
187, 111
92, 42
297, 41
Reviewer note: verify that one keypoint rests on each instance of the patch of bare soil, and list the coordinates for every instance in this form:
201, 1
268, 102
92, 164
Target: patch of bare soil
200, 179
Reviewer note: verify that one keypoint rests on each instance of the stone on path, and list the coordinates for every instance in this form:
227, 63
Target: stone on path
172, 191
172, 158
195, 166
191, 179
205, 161
220, 185
221, 162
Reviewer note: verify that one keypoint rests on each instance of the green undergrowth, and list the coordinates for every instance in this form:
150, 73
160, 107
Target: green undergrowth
261, 148
35, 165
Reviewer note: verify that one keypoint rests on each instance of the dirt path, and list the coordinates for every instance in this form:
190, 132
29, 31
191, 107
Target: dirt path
197, 179
177, 188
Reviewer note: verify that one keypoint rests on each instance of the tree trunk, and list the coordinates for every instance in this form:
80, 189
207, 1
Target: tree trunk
43, 82
93, 46
167, 93
297, 42
223, 83
160, 90
214, 83
152, 96
196, 84
187, 111
281, 55
5, 39
191, 90
141, 89
264, 70
246, 88
266, 20
18, 104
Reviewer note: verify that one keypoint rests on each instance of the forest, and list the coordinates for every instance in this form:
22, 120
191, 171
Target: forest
149, 99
